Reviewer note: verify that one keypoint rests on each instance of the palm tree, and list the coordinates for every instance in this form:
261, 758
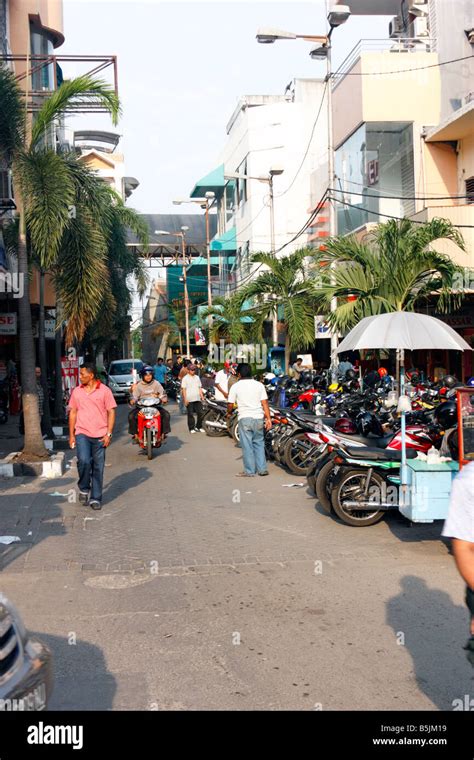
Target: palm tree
285, 284
45, 194
392, 269
231, 321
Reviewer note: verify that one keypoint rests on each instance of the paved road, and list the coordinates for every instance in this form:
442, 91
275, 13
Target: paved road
194, 589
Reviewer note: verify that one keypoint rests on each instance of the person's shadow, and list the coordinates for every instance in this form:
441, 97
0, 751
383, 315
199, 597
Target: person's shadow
434, 631
126, 481
81, 680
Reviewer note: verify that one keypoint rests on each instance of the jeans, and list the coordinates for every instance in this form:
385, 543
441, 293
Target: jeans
251, 434
195, 407
90, 465
182, 405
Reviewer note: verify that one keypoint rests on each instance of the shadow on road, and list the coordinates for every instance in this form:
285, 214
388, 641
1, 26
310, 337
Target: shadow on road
21, 517
81, 678
433, 630
126, 481
409, 532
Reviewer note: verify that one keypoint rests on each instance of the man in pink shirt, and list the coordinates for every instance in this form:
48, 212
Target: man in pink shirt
91, 422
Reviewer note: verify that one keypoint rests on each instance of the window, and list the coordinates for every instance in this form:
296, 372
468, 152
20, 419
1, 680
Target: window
375, 161
41, 45
230, 199
242, 184
470, 190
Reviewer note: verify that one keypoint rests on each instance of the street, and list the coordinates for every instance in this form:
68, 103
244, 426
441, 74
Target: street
194, 589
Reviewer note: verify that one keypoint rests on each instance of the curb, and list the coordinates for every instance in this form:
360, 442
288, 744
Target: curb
54, 468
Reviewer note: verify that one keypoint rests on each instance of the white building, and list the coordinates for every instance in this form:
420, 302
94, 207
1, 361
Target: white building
267, 133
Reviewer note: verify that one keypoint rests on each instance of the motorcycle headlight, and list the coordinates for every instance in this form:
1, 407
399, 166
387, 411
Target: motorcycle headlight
149, 413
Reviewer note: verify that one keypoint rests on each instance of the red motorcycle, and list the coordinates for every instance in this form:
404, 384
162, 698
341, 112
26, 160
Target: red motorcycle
149, 425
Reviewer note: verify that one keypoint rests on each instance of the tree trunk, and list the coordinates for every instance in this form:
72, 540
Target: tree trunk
42, 361
58, 381
287, 351
34, 444
180, 342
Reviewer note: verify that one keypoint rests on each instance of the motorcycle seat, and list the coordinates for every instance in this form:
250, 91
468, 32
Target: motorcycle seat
389, 455
376, 443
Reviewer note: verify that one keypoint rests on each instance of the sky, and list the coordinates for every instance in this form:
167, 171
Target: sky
182, 67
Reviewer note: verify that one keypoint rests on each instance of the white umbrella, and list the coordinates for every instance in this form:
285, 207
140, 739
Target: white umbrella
403, 330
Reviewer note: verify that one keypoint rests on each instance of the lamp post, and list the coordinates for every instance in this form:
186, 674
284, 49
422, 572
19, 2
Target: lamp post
205, 203
336, 17
182, 235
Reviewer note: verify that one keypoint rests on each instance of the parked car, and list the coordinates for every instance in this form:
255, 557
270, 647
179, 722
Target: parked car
124, 372
26, 670
119, 392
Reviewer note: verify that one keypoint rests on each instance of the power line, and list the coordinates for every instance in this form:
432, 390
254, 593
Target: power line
399, 71
403, 197
391, 216
428, 197
309, 143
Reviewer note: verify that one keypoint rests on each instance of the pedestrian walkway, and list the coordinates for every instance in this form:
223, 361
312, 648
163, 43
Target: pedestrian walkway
193, 589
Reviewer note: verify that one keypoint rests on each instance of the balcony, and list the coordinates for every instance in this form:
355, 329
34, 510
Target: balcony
39, 75
388, 47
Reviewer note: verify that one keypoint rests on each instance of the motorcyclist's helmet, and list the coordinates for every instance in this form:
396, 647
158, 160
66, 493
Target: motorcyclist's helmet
369, 423
351, 374
345, 426
446, 414
334, 387
414, 378
382, 372
146, 370
470, 382
449, 381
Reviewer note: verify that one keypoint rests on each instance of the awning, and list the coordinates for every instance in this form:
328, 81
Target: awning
214, 182
226, 242
458, 125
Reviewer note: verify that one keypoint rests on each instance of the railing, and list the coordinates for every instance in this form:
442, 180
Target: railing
66, 66
391, 45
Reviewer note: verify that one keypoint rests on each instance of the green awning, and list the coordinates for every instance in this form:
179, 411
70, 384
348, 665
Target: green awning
225, 242
214, 182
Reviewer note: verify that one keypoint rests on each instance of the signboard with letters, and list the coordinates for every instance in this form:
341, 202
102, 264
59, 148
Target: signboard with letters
8, 324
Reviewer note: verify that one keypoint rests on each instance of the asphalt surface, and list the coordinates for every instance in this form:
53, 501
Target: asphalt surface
194, 589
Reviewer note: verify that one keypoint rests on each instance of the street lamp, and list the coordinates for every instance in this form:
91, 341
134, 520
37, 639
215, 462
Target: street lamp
205, 203
336, 17
182, 235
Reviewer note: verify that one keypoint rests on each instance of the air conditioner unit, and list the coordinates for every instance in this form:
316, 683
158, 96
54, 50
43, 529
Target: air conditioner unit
420, 27
395, 27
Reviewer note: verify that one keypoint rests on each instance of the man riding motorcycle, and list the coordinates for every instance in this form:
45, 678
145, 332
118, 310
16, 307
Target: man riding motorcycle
149, 387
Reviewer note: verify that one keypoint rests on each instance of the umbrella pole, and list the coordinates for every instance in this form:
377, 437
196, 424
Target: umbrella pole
404, 440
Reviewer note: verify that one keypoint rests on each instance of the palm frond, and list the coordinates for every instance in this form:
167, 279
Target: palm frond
12, 115
83, 89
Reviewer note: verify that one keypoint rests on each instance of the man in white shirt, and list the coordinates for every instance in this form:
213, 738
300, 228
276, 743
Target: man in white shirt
254, 418
222, 383
193, 396
459, 526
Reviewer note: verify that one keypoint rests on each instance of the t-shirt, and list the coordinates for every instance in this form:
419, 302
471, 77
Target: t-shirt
160, 371
222, 379
144, 390
92, 409
248, 395
191, 385
460, 521
297, 370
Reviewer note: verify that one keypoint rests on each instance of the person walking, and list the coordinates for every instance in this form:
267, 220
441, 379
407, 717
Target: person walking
91, 422
193, 396
160, 371
254, 418
459, 527
182, 374
222, 383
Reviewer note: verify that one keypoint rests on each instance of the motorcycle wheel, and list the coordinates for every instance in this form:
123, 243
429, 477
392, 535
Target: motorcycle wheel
149, 444
350, 485
294, 454
324, 486
213, 432
234, 431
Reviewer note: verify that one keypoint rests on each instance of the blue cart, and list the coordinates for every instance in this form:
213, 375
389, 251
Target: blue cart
428, 490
